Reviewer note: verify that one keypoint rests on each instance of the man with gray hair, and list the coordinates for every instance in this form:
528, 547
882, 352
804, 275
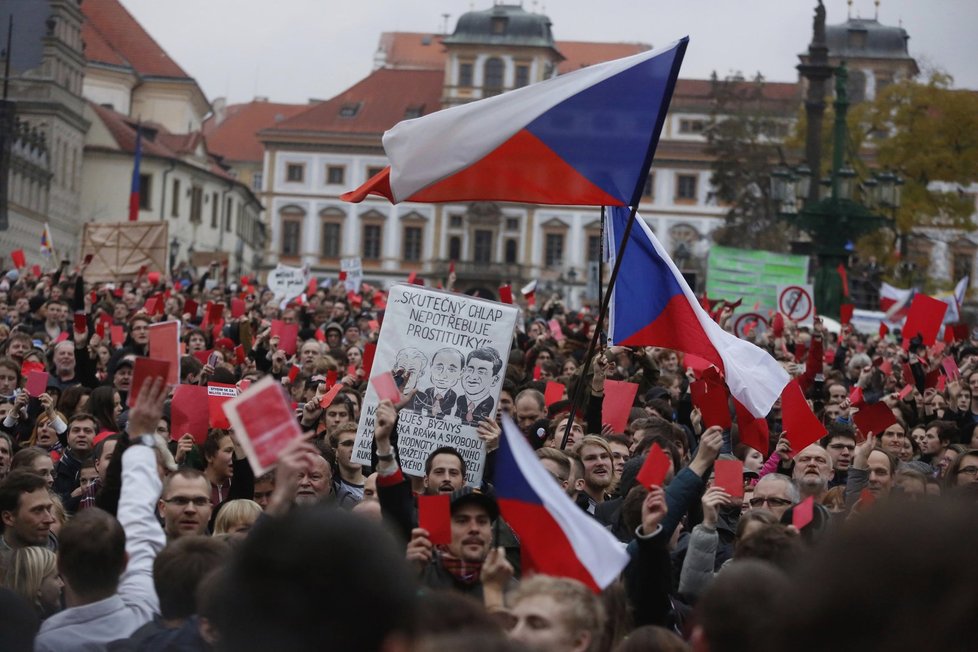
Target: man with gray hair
812, 472
776, 493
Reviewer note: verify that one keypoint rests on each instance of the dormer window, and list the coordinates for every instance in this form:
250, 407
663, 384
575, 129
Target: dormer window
349, 110
498, 25
413, 112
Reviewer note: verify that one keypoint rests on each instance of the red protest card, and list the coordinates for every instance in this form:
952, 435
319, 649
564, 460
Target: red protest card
149, 307
217, 395
118, 336
874, 418
887, 367
712, 401
164, 344
293, 372
37, 383
856, 396
696, 363
189, 413
30, 365
264, 423
145, 370
754, 432
36, 271
351, 370
215, 313
313, 286
373, 325
951, 368
941, 383
555, 330
729, 475
654, 468
369, 351
331, 376
329, 396
948, 335
62, 336
797, 419
287, 335
81, 322
924, 319
937, 349
908, 375
932, 378
190, 307
845, 313
905, 392
505, 294
17, 255
803, 513
237, 308
537, 372
203, 356
553, 393
412, 277
619, 396
385, 387
239, 354
435, 515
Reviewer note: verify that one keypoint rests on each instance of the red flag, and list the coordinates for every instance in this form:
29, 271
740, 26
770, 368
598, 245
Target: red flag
845, 280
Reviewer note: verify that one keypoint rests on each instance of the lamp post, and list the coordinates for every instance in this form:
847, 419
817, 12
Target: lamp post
832, 212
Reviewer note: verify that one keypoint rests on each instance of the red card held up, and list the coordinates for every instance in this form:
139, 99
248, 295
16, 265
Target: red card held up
505, 294
30, 365
537, 372
654, 468
331, 376
237, 308
118, 336
874, 418
619, 396
20, 261
369, 351
712, 401
36, 271
217, 395
37, 383
729, 475
435, 515
287, 335
164, 344
264, 423
797, 419
385, 387
329, 396
803, 513
950, 368
215, 313
189, 413
555, 330
144, 370
905, 392
190, 307
81, 322
293, 372
62, 336
856, 397
925, 318
845, 313
553, 393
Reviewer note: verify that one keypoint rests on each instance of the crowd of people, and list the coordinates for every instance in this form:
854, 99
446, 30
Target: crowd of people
119, 533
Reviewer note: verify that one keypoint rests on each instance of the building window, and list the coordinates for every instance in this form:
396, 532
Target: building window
196, 203
256, 180
512, 224
465, 74
331, 240
512, 251
455, 221
290, 237
350, 110
593, 248
413, 112
493, 71
295, 172
686, 187
373, 171
554, 250
689, 126
371, 241
145, 191
454, 248
335, 174
412, 243
227, 216
483, 247
649, 190
498, 25
522, 76
175, 199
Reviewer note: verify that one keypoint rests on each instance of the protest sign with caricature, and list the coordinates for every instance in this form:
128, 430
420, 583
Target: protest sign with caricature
447, 352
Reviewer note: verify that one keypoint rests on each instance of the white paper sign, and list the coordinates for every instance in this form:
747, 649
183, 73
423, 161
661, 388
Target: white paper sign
797, 303
354, 273
452, 349
287, 282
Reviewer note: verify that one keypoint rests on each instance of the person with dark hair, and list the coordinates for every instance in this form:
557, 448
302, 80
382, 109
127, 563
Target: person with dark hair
81, 434
270, 597
106, 564
185, 504
349, 480
178, 571
481, 374
840, 442
105, 405
26, 511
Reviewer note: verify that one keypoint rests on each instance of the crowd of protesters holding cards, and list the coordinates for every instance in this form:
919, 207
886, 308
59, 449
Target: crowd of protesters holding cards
133, 520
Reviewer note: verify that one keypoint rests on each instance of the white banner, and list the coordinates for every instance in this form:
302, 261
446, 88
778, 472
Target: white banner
287, 282
354, 273
452, 349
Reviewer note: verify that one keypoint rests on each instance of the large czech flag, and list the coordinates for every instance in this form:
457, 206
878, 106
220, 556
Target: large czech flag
584, 138
652, 305
556, 536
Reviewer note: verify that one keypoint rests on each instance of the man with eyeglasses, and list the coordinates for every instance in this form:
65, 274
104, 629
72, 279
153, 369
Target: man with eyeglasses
185, 504
840, 444
775, 493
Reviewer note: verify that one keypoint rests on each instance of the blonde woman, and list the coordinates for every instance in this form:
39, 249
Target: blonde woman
236, 517
32, 573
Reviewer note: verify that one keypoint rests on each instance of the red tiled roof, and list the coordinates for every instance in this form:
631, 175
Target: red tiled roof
413, 50
580, 54
235, 137
114, 37
162, 144
382, 100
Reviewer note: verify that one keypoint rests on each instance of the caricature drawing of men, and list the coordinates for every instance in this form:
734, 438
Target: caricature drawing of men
439, 399
409, 365
481, 374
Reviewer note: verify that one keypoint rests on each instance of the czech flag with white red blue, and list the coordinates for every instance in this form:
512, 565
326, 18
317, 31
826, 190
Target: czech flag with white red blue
556, 536
584, 138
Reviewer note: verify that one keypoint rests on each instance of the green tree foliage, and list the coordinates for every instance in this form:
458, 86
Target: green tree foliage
743, 137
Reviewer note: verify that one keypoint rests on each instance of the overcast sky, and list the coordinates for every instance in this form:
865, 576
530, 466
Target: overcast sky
293, 50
